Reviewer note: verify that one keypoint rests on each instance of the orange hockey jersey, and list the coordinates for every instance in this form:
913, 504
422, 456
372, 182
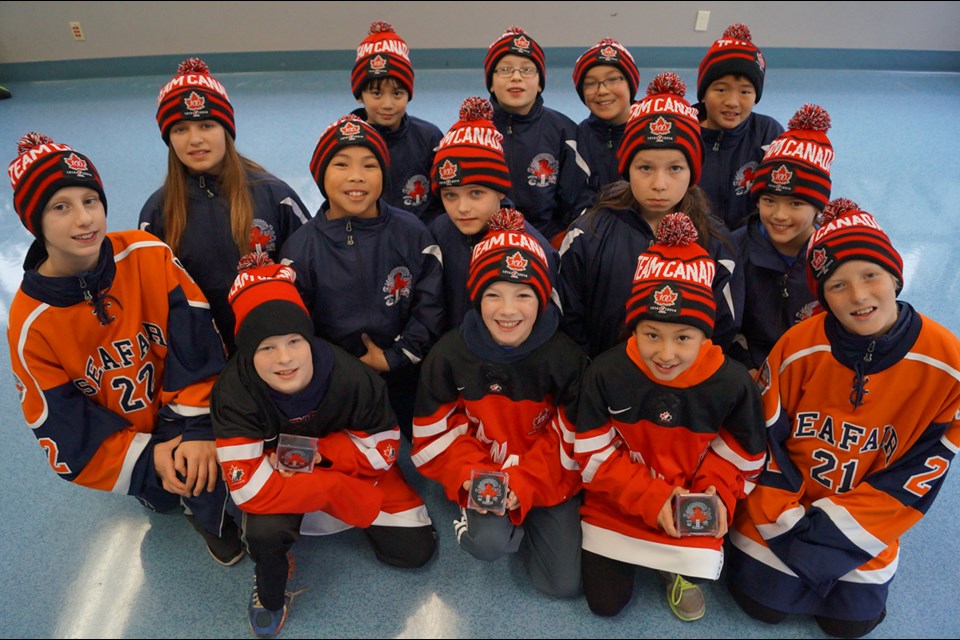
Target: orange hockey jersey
852, 466
99, 359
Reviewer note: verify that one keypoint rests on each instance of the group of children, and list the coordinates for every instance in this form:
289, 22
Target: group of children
598, 320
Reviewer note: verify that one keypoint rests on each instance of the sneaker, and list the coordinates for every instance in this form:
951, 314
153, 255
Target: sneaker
264, 622
228, 549
4, 93
227, 558
685, 598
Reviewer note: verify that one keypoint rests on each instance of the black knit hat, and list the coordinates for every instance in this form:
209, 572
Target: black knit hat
736, 54
348, 131
43, 167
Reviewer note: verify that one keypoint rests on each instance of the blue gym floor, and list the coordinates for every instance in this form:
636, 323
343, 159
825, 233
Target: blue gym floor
80, 563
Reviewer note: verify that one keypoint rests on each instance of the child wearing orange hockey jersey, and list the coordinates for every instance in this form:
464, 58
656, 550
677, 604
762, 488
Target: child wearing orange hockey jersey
664, 414
861, 404
493, 396
114, 349
284, 380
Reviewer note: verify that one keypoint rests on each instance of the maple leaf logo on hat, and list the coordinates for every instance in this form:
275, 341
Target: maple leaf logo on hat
194, 101
608, 53
378, 63
661, 126
350, 129
517, 263
448, 170
819, 259
781, 175
521, 43
665, 297
75, 162
760, 61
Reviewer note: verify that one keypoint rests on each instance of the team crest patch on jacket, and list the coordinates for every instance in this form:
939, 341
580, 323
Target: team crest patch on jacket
808, 310
416, 190
543, 170
21, 390
763, 377
236, 475
262, 236
744, 178
398, 285
541, 420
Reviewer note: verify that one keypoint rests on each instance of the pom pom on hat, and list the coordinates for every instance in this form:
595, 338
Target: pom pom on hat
848, 233
43, 167
382, 54
735, 54
266, 303
472, 151
607, 52
673, 281
194, 94
508, 254
515, 41
797, 163
663, 120
348, 131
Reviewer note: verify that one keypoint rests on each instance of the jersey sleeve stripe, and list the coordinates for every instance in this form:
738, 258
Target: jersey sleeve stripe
438, 446
785, 522
253, 486
434, 428
802, 354
566, 461
137, 445
24, 333
569, 436
933, 362
233, 452
722, 449
594, 463
850, 528
368, 446
295, 208
187, 411
950, 445
759, 552
595, 443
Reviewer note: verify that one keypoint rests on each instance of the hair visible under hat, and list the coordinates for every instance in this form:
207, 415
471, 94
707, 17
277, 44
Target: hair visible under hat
607, 52
733, 54
848, 233
382, 54
797, 163
508, 254
348, 131
471, 151
514, 41
673, 281
663, 120
43, 167
193, 94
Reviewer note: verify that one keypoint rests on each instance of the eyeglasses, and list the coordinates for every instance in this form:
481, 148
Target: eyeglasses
589, 86
507, 72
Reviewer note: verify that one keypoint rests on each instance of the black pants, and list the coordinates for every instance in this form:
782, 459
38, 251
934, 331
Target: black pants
830, 626
269, 538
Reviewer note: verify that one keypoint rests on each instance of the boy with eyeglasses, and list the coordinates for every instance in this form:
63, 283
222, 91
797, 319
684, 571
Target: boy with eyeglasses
606, 79
549, 176
729, 84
